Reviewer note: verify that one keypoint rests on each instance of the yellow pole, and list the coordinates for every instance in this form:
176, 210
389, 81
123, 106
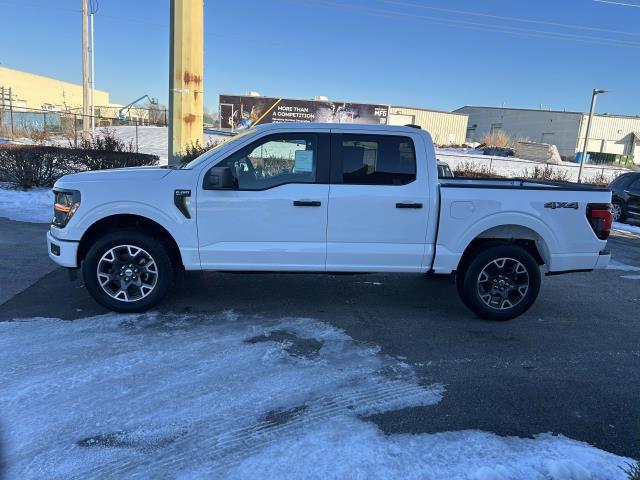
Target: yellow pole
186, 65
85, 76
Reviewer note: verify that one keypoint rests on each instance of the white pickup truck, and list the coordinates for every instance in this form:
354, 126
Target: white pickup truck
324, 198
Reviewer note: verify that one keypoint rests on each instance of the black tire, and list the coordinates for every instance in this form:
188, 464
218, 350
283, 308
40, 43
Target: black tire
510, 291
623, 211
140, 297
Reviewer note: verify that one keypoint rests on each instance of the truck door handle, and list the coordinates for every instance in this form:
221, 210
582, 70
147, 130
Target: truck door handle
306, 203
408, 205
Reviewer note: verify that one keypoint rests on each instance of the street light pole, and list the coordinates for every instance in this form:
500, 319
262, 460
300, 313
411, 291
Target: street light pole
596, 92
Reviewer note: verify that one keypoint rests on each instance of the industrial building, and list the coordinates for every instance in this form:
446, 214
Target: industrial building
446, 128
612, 134
30, 91
24, 92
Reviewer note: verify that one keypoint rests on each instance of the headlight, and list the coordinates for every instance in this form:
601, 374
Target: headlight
65, 205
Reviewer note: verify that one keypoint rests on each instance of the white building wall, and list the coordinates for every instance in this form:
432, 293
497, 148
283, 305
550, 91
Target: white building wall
557, 128
611, 134
445, 128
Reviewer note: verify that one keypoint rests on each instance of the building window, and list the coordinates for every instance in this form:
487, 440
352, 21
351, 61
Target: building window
496, 127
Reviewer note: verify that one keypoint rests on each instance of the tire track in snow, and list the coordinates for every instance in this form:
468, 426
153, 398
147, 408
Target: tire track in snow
227, 448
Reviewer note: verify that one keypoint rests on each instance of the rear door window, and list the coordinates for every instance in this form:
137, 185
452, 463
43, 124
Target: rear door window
377, 159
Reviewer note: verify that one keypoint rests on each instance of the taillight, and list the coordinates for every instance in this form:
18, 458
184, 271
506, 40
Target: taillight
600, 218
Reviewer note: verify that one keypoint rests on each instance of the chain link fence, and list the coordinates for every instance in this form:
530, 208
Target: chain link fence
66, 128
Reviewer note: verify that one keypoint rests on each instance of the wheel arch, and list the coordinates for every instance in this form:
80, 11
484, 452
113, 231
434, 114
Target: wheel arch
129, 222
523, 236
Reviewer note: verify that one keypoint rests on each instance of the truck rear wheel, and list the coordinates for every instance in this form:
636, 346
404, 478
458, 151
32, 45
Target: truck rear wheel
499, 282
127, 271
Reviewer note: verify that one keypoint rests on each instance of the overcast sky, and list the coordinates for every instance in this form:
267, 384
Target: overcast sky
438, 54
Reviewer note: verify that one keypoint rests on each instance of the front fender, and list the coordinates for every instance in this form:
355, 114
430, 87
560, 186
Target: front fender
83, 220
183, 231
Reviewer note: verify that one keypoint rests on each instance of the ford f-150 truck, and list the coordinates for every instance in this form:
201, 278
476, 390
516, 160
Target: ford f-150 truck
324, 198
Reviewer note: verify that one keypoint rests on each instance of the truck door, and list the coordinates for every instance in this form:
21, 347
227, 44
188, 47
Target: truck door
276, 216
378, 203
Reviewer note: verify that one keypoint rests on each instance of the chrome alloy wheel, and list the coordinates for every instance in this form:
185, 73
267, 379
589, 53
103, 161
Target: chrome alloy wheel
616, 211
127, 273
503, 283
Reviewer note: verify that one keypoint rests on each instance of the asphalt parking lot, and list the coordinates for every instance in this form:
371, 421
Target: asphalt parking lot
569, 366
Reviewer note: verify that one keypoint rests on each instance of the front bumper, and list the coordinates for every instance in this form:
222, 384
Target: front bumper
63, 252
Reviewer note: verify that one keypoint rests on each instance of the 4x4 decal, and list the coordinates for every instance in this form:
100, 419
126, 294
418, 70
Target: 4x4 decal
554, 205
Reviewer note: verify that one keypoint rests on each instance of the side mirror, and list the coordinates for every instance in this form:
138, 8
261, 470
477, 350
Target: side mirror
219, 178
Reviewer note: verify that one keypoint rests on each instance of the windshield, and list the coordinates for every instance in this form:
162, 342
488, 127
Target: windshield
197, 161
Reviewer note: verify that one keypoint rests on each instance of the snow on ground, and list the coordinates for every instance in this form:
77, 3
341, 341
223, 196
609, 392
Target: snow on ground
458, 150
222, 396
150, 139
625, 227
154, 140
34, 205
613, 265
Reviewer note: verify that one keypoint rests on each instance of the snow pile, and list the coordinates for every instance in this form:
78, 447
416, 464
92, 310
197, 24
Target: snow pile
35, 205
219, 396
624, 227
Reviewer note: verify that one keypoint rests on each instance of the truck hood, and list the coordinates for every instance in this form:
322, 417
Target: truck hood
141, 174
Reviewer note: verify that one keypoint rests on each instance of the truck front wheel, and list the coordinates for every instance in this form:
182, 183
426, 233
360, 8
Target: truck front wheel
499, 282
127, 271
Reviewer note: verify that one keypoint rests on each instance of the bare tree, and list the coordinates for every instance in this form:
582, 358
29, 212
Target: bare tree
157, 113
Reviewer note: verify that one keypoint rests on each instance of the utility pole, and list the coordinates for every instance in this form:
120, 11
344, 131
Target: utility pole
596, 92
85, 80
186, 65
93, 75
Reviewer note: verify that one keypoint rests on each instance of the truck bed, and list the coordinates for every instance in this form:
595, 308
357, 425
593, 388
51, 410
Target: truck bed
553, 215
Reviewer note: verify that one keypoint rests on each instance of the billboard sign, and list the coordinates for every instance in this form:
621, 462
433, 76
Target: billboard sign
238, 112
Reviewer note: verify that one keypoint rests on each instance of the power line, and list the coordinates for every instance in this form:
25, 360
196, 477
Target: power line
515, 19
94, 6
621, 4
479, 26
